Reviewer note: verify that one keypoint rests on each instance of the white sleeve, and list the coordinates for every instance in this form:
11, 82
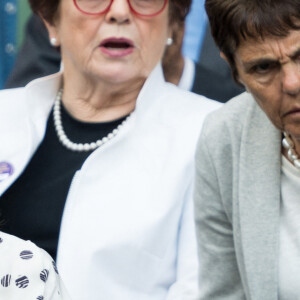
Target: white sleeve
186, 286
54, 287
27, 272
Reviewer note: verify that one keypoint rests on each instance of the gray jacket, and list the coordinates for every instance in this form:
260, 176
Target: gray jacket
237, 202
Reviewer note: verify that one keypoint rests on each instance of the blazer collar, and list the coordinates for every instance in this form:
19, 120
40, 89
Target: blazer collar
39, 96
259, 203
151, 91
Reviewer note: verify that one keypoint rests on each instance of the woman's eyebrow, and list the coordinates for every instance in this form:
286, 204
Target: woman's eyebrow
295, 54
260, 61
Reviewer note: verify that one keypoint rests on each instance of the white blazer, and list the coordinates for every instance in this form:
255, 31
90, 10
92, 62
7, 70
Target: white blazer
127, 230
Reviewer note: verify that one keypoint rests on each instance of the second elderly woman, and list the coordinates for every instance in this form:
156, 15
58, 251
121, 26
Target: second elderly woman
248, 160
97, 162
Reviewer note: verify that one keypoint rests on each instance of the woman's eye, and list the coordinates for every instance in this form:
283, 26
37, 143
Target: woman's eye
264, 68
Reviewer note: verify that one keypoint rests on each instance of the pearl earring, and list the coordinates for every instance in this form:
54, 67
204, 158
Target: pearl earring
53, 41
169, 41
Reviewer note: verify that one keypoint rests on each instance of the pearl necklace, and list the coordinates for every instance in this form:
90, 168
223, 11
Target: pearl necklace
75, 146
288, 144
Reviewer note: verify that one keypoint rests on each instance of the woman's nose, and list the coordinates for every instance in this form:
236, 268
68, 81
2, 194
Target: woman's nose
119, 12
291, 79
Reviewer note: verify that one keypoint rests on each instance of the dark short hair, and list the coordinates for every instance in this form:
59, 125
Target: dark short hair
48, 9
233, 21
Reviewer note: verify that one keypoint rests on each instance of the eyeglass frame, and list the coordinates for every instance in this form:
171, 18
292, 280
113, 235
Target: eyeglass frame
131, 8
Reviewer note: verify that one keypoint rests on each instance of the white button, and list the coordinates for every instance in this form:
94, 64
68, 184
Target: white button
10, 48
10, 8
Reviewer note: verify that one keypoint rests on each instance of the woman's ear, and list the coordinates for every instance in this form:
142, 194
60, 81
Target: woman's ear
224, 56
237, 77
171, 30
53, 34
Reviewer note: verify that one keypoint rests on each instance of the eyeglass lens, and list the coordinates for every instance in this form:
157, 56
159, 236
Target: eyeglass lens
143, 7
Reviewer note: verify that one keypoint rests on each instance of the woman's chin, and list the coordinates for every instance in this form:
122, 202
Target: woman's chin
117, 75
293, 130
117, 78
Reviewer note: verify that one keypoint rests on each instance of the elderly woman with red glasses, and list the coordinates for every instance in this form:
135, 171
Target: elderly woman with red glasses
97, 161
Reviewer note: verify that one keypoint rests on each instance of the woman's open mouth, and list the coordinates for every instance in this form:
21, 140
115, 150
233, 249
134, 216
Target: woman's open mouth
117, 47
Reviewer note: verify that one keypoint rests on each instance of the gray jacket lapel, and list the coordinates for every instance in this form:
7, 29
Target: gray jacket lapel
259, 204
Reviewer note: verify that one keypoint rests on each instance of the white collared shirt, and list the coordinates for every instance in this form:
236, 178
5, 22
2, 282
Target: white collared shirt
289, 246
188, 75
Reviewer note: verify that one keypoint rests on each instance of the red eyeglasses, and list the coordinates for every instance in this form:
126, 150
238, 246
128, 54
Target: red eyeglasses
143, 8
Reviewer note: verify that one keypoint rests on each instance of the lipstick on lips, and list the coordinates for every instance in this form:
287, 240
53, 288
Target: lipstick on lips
117, 47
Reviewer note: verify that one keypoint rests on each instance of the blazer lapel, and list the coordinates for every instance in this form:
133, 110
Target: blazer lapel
259, 204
